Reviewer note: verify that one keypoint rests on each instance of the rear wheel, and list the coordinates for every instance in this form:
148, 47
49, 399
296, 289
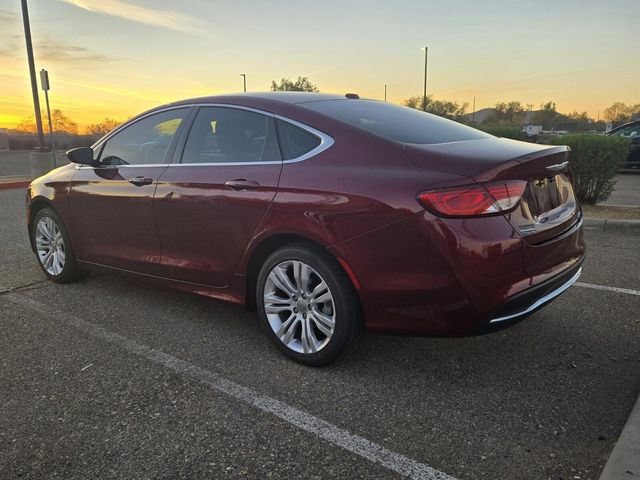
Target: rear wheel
307, 304
53, 247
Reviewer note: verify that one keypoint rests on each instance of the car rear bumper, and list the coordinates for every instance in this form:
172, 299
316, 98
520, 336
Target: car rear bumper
528, 301
430, 276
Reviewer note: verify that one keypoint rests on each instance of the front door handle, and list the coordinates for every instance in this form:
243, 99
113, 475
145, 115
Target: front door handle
139, 181
242, 184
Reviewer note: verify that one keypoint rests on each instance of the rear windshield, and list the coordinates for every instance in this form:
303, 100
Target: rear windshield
400, 124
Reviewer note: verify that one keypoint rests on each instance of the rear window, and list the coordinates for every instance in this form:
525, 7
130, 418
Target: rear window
400, 124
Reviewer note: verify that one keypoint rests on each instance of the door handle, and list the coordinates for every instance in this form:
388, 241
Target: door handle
139, 181
242, 184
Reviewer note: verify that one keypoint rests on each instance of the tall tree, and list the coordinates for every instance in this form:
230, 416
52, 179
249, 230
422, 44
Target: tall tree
619, 113
547, 115
447, 109
507, 113
103, 127
302, 84
442, 108
582, 121
414, 102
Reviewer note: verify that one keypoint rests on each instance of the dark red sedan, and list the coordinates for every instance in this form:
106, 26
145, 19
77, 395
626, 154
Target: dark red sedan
329, 214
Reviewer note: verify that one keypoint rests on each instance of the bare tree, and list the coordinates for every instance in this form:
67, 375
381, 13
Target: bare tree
621, 113
103, 127
61, 123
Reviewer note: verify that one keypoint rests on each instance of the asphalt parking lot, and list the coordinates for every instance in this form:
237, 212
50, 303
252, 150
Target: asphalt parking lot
627, 190
115, 378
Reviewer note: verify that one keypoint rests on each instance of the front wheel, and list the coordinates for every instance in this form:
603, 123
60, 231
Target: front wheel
307, 304
53, 247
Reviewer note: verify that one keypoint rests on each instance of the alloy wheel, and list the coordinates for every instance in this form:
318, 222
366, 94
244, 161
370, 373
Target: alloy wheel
50, 246
299, 306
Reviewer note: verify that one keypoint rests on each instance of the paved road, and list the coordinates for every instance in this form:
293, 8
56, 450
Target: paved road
114, 378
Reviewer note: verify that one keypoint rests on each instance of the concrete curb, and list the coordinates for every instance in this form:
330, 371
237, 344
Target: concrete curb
14, 184
624, 461
604, 225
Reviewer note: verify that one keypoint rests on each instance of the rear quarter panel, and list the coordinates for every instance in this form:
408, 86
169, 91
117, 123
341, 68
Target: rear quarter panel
360, 184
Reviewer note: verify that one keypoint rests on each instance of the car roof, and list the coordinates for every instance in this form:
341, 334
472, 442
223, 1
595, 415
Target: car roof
289, 104
280, 97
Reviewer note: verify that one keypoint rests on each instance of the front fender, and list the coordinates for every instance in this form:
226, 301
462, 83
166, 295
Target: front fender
50, 190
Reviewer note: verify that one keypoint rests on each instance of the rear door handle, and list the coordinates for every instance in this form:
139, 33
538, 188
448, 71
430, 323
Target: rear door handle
242, 184
139, 181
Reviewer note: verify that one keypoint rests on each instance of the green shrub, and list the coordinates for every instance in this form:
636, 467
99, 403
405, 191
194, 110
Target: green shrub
595, 161
514, 133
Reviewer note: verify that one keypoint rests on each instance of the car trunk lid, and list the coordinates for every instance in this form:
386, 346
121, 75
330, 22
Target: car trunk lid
548, 206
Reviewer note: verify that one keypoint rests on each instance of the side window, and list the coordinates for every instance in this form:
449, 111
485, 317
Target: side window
145, 141
295, 141
225, 135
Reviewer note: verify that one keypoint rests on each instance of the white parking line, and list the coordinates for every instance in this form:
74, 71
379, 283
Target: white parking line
628, 291
305, 421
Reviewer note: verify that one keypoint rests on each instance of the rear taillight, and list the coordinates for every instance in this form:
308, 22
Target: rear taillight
474, 200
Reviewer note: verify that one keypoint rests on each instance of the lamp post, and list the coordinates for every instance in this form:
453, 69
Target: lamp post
244, 79
385, 93
44, 83
32, 73
424, 93
473, 113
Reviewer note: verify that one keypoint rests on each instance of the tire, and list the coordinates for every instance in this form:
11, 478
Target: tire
49, 235
307, 304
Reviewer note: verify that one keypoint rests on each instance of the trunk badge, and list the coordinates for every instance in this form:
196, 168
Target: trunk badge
527, 230
558, 167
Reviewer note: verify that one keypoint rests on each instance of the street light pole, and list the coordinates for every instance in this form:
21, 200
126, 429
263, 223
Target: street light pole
385, 93
424, 94
244, 79
44, 83
32, 72
473, 114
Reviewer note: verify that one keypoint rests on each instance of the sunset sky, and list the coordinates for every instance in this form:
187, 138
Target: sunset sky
116, 58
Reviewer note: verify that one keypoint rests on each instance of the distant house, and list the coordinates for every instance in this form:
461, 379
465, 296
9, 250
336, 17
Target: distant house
532, 130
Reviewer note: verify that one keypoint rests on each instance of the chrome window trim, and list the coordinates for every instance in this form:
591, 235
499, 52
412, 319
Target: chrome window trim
224, 164
541, 301
326, 141
144, 165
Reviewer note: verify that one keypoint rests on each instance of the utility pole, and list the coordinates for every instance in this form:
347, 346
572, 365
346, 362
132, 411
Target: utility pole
473, 114
424, 93
244, 78
44, 83
32, 73
385, 93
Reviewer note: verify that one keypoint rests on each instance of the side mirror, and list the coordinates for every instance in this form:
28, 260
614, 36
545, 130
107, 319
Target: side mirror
82, 155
